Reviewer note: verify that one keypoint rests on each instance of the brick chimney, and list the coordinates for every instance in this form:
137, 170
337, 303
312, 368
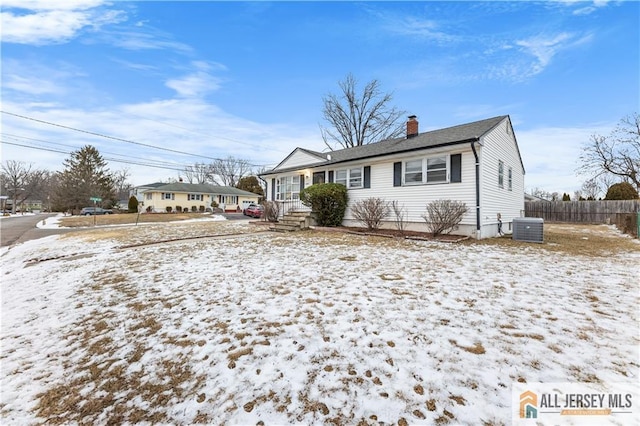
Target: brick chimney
412, 126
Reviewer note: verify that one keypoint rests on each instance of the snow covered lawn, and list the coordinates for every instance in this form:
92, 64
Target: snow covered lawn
311, 327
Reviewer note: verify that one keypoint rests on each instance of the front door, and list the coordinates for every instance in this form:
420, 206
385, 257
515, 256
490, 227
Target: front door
318, 177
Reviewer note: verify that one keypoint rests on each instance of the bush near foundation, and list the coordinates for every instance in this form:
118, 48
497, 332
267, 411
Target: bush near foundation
328, 201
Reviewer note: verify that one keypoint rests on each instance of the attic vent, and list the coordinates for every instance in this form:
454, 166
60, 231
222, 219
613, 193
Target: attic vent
329, 157
529, 229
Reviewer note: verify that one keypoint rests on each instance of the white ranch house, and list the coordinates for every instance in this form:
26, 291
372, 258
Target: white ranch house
476, 163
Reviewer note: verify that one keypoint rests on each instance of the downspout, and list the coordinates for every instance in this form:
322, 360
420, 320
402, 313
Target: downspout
475, 154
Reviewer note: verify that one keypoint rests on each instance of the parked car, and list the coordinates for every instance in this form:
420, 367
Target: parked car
254, 210
250, 206
89, 211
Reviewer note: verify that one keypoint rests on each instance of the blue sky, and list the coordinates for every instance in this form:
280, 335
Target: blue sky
219, 79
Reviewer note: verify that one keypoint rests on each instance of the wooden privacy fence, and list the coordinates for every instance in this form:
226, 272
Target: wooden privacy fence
621, 213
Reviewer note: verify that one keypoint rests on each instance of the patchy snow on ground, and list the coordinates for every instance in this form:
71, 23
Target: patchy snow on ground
305, 328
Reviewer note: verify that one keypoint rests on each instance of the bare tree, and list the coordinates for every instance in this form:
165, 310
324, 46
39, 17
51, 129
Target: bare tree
443, 216
618, 154
591, 189
359, 118
400, 214
121, 184
271, 211
228, 171
21, 182
198, 173
370, 211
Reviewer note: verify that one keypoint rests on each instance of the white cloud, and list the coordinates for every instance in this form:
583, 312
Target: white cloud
196, 83
40, 23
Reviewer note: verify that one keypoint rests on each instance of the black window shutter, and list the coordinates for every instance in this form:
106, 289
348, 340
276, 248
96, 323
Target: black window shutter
456, 168
367, 176
330, 176
397, 174
273, 189
301, 182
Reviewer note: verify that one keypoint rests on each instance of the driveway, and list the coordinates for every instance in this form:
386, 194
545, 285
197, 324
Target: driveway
18, 229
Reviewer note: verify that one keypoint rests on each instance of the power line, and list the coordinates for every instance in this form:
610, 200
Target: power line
111, 137
18, 139
115, 160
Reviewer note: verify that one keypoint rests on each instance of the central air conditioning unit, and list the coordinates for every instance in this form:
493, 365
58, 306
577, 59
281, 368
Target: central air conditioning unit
528, 229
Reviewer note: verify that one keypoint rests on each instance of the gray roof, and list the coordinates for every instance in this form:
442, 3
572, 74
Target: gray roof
200, 188
435, 138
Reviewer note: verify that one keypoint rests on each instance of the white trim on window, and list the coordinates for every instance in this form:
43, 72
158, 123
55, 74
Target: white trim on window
288, 188
427, 170
351, 178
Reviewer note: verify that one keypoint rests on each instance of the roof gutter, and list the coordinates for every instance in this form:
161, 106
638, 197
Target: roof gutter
475, 154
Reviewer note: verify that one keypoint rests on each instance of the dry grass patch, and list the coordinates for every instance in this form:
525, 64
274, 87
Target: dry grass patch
572, 239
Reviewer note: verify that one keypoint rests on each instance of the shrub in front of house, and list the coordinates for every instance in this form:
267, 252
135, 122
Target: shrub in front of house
133, 204
328, 201
194, 209
178, 209
443, 216
271, 211
169, 209
201, 209
371, 212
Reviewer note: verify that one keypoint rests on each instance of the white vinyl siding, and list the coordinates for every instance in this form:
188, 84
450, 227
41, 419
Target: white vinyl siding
299, 158
500, 146
414, 198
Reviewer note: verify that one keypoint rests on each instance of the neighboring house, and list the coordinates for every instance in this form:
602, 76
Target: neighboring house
477, 163
156, 197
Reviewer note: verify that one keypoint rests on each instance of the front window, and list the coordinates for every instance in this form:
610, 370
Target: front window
351, 178
148, 196
168, 196
437, 169
510, 177
288, 188
500, 174
426, 170
355, 178
413, 172
196, 197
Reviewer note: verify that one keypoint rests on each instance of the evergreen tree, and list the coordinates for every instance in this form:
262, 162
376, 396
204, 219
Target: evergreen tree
85, 176
251, 184
566, 197
621, 191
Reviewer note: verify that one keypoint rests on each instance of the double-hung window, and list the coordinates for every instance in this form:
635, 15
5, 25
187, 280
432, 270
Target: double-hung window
436, 169
413, 172
148, 196
197, 197
288, 188
510, 179
351, 178
425, 170
501, 174
168, 196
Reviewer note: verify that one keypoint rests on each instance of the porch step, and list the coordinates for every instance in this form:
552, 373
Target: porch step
293, 221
